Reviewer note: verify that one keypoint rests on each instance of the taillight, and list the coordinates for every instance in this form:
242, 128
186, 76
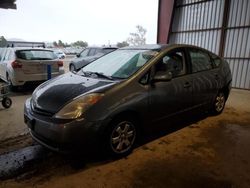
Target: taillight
16, 65
60, 63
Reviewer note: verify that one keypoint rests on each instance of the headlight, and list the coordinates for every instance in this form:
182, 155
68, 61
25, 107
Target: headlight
76, 108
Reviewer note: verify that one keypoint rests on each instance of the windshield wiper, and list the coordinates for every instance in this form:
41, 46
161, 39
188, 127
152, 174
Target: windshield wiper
102, 75
99, 74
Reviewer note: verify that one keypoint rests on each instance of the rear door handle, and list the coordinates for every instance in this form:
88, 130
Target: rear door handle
187, 84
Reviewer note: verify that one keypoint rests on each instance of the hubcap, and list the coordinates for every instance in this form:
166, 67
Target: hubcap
220, 102
7, 102
123, 137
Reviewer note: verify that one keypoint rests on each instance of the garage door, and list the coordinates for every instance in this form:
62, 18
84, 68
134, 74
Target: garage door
221, 26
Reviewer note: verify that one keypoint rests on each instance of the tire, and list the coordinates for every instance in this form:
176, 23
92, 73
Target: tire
219, 103
121, 137
72, 68
6, 102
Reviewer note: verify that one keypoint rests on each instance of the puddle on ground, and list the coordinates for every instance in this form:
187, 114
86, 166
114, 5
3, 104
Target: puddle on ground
16, 162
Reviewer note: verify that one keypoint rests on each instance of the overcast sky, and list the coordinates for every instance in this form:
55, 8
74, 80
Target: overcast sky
94, 21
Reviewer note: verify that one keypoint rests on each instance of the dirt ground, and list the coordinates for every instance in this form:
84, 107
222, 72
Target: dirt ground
211, 153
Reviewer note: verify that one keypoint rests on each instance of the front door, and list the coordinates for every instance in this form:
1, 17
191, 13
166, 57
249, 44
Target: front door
171, 97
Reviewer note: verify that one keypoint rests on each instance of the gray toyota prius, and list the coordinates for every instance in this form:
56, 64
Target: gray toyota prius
108, 103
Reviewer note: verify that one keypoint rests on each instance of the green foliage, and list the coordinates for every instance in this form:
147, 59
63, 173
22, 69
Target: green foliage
80, 43
122, 44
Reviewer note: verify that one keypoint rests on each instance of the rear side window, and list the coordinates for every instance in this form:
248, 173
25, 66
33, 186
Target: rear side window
217, 60
1, 53
6, 55
200, 60
92, 52
36, 55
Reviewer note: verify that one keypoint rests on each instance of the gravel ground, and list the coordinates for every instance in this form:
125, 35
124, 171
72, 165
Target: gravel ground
210, 153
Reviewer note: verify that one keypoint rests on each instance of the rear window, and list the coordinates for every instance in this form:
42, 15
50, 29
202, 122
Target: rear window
36, 55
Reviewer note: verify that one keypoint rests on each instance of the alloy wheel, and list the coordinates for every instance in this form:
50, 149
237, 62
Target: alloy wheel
123, 137
220, 102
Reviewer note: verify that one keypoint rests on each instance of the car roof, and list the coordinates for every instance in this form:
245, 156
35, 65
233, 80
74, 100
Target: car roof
160, 47
157, 47
29, 48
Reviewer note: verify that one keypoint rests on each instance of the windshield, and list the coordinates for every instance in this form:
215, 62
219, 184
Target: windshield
120, 63
36, 55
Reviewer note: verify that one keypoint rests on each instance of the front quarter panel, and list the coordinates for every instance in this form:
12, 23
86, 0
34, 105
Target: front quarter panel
124, 97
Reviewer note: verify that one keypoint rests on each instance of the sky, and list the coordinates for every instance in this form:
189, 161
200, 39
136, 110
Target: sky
97, 22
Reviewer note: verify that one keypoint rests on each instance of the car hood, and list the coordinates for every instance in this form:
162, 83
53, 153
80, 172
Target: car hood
52, 95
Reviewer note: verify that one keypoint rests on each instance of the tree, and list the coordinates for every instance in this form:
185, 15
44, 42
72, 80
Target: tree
138, 38
122, 44
3, 42
80, 43
55, 44
60, 43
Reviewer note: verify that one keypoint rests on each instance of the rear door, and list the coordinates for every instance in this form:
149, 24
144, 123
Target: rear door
175, 96
205, 77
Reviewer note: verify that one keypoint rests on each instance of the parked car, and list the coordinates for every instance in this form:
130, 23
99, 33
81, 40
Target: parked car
59, 53
109, 102
88, 55
21, 65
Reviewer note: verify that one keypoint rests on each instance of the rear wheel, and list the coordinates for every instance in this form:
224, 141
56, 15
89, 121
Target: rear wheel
6, 102
219, 103
121, 136
12, 87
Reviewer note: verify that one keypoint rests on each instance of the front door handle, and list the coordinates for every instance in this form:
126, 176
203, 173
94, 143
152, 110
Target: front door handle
187, 85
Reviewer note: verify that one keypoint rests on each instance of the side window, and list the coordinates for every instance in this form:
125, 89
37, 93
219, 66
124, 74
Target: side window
11, 55
92, 52
84, 53
173, 62
200, 60
1, 54
6, 56
144, 80
217, 60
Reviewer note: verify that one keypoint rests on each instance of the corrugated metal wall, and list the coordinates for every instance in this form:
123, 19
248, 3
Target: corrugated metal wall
221, 26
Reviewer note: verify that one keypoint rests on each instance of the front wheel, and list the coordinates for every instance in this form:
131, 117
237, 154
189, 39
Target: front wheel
72, 68
219, 103
120, 138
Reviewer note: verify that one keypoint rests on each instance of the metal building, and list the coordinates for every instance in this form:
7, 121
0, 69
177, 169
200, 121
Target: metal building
221, 26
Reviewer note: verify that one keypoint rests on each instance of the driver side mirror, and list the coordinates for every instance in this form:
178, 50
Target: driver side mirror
162, 76
77, 55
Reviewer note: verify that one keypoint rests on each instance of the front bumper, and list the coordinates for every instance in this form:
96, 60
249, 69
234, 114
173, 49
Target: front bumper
62, 135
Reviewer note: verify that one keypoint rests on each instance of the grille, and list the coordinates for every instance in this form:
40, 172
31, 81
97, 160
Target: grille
40, 111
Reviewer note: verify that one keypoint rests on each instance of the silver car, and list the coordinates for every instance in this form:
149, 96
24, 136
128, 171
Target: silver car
21, 65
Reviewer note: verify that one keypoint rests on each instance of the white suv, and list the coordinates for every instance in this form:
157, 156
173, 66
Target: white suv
21, 65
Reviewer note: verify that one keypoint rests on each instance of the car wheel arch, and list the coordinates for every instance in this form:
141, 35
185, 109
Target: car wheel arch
127, 116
